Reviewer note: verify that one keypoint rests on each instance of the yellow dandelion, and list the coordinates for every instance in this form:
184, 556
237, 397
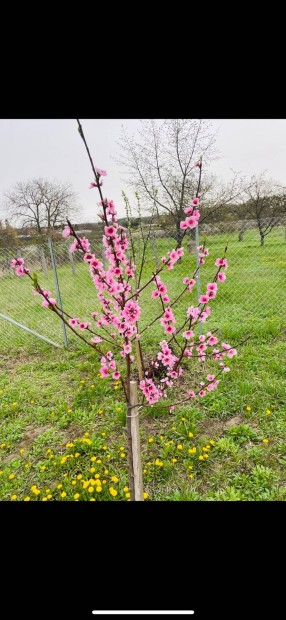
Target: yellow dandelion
145, 495
63, 494
13, 497
206, 456
112, 492
43, 468
174, 460
22, 450
183, 419
73, 482
90, 489
265, 440
69, 410
190, 467
150, 439
106, 471
79, 476
114, 479
27, 499
98, 489
268, 411
59, 486
212, 442
191, 434
92, 499
201, 458
127, 495
98, 461
11, 477
248, 408
122, 455
191, 475
125, 489
180, 447
77, 454
49, 496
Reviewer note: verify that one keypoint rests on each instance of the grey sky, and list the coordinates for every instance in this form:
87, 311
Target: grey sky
53, 149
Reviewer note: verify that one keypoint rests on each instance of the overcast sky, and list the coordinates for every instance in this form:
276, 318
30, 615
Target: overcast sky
53, 149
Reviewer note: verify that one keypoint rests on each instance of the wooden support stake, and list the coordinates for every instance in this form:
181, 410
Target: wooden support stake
136, 450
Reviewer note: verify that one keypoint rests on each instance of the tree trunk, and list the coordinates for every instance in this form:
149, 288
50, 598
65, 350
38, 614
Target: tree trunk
261, 239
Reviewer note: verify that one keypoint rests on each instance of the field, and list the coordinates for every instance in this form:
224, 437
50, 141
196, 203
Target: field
62, 433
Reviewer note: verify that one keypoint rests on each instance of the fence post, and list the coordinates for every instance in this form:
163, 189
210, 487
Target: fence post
198, 272
135, 438
59, 303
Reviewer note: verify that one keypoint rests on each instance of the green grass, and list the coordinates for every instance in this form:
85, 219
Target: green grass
51, 397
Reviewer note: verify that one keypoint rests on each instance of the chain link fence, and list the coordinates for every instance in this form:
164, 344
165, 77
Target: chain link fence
254, 289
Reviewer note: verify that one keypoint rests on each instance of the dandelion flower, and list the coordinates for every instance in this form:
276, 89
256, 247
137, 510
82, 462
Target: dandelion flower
112, 492
63, 494
265, 440
145, 495
13, 497
11, 477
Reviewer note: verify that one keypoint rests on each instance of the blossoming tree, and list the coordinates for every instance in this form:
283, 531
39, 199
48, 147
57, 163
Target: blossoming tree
116, 333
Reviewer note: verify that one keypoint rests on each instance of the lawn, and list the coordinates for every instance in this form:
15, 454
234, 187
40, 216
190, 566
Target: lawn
62, 434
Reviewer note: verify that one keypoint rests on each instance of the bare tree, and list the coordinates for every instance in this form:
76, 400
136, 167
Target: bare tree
160, 166
266, 204
41, 204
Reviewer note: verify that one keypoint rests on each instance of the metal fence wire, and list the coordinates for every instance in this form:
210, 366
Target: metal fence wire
253, 291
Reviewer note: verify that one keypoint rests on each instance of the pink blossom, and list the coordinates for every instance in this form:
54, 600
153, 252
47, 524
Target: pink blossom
191, 394
202, 393
221, 276
210, 377
226, 369
169, 329
188, 334
74, 246
19, 271
96, 264
110, 231
66, 232
17, 261
212, 286
127, 348
45, 303
221, 262
102, 173
231, 353
204, 299
195, 202
96, 340
171, 409
88, 257
116, 375
155, 294
112, 365
212, 341
52, 301
131, 311
165, 299
103, 371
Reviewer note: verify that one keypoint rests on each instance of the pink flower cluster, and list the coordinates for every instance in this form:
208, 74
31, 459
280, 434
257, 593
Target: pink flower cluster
108, 366
193, 215
18, 265
120, 310
168, 321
